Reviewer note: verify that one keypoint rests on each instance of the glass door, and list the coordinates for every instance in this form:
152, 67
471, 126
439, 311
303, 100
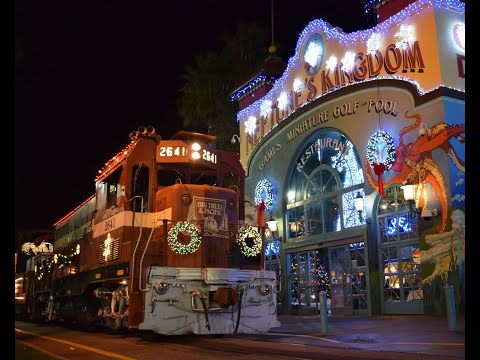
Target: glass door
399, 255
308, 276
341, 280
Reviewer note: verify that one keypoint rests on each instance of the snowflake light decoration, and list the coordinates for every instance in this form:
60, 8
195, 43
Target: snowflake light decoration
312, 53
373, 43
250, 125
348, 61
265, 108
282, 100
405, 36
297, 85
331, 63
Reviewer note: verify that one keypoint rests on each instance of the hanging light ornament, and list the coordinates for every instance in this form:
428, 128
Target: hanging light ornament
380, 155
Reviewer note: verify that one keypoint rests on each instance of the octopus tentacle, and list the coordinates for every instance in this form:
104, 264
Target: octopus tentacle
434, 177
410, 127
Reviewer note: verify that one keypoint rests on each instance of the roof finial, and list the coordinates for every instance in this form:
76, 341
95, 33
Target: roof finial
272, 49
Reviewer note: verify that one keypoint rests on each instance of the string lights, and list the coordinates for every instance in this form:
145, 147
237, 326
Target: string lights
113, 162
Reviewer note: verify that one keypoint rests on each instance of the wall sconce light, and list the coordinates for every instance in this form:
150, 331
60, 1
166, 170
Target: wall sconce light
272, 225
359, 204
235, 138
409, 193
294, 227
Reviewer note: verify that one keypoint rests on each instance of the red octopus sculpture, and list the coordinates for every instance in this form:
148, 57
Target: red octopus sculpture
414, 160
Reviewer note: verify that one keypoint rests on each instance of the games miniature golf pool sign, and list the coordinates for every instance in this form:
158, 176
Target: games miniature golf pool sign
380, 155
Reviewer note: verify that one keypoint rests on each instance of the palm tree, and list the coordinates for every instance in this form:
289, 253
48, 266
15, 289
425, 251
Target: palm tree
204, 102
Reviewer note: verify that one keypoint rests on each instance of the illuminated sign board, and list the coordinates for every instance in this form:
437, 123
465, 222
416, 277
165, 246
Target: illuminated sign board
402, 225
272, 248
209, 156
171, 151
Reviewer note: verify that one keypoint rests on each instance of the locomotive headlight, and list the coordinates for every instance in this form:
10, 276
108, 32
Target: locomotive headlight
264, 289
161, 287
195, 153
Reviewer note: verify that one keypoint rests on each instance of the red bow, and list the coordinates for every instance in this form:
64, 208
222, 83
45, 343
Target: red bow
379, 169
260, 217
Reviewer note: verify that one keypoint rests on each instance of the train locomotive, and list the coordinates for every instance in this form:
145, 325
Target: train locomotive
162, 245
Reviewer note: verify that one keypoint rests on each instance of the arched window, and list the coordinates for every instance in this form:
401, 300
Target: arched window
323, 185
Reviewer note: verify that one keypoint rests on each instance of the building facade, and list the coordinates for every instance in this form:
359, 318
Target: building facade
330, 147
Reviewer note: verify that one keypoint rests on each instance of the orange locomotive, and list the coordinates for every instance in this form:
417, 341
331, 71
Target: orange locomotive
160, 246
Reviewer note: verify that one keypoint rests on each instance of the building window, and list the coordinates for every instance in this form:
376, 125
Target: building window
111, 195
325, 180
140, 186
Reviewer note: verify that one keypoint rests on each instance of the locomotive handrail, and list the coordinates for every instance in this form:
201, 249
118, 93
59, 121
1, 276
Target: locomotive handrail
139, 236
155, 221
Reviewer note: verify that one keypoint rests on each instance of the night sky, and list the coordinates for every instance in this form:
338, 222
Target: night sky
87, 73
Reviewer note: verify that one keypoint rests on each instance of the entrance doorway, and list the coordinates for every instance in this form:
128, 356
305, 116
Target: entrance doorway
399, 255
338, 270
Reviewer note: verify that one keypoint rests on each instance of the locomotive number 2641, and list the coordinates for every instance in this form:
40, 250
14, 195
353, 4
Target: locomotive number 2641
169, 151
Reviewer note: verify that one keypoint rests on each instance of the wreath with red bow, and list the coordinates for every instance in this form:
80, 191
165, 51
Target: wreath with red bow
380, 155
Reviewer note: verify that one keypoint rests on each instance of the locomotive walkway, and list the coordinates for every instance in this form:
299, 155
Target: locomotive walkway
403, 334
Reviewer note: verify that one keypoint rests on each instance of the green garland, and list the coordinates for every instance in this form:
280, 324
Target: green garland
189, 228
245, 232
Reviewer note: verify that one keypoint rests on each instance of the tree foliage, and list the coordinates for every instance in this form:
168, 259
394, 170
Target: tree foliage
204, 102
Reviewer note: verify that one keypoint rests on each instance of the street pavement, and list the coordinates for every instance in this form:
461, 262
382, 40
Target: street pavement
407, 334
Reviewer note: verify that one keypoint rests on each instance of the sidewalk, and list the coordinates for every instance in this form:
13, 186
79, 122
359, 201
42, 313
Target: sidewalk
419, 334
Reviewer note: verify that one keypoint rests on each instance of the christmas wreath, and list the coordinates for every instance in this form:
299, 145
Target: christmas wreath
245, 232
381, 155
264, 186
190, 229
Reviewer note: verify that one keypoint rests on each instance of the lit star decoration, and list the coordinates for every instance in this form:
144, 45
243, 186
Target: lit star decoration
373, 43
190, 229
264, 187
250, 125
405, 36
348, 61
245, 232
381, 154
106, 247
331, 63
